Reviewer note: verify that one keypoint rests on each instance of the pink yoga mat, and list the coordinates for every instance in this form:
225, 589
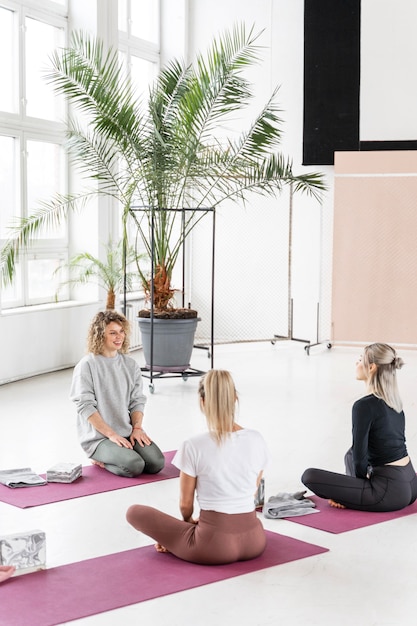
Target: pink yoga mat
93, 480
342, 520
69, 592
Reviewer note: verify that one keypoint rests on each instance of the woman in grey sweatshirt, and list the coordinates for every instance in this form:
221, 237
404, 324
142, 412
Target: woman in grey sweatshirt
107, 389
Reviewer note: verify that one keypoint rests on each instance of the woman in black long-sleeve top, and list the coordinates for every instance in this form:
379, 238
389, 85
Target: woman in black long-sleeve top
379, 473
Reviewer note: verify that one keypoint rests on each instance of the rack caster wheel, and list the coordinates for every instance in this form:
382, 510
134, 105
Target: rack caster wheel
329, 345
185, 377
151, 388
307, 349
208, 355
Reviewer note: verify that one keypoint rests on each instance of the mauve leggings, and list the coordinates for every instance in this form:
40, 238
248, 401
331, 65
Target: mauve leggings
390, 488
216, 539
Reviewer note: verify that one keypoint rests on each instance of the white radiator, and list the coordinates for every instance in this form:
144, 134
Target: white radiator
133, 306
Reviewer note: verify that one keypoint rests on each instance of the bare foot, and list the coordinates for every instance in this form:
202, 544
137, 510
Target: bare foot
99, 463
160, 548
336, 505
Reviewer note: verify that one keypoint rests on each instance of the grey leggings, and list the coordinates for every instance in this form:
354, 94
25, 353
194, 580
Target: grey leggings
129, 462
216, 539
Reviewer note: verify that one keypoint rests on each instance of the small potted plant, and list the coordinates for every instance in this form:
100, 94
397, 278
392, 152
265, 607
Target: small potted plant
111, 273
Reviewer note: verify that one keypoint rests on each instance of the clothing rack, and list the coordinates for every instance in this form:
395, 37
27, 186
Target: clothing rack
290, 333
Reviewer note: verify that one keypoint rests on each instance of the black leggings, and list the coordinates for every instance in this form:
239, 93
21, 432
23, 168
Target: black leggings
390, 487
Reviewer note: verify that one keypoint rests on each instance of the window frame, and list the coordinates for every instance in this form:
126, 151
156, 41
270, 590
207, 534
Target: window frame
24, 128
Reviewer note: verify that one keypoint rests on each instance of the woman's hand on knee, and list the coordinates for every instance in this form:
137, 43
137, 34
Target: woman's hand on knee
122, 442
139, 435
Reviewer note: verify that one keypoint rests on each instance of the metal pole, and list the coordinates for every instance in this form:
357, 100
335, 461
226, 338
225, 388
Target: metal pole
290, 304
212, 290
152, 287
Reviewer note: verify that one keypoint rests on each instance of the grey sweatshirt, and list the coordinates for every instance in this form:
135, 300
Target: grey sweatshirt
112, 386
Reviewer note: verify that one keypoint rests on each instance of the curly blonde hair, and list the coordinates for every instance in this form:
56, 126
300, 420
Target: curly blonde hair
95, 338
218, 399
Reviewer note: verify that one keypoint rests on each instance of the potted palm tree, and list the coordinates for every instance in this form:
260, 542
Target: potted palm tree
165, 151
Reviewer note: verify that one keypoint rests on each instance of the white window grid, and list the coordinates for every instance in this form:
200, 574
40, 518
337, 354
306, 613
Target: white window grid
24, 129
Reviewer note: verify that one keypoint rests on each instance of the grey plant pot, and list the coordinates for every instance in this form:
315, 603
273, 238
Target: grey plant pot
173, 341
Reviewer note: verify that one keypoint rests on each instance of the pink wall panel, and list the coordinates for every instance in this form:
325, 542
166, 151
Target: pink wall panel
374, 293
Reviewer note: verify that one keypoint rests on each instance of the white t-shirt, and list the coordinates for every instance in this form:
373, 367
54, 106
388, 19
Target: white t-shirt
226, 472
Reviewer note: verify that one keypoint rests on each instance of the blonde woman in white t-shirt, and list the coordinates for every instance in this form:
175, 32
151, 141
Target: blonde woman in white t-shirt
222, 468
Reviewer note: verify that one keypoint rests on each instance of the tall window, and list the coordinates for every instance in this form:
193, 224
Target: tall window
33, 161
139, 48
33, 164
139, 41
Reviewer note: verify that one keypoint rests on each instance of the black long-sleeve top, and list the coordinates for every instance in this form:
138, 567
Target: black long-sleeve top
378, 434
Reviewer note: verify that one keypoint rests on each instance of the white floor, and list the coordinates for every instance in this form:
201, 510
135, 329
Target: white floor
301, 403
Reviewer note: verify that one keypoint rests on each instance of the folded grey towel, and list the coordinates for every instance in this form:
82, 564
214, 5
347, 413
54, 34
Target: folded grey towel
288, 505
22, 477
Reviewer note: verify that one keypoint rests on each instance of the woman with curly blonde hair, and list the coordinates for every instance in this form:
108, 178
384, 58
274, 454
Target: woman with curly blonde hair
380, 475
107, 389
223, 468
97, 330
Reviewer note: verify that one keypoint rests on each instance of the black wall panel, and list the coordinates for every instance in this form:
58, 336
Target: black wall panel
407, 144
331, 79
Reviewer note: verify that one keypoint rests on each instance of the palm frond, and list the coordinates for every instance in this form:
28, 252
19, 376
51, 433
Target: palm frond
94, 81
23, 230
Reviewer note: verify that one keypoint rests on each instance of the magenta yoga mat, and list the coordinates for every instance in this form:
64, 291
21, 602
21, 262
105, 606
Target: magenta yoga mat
70, 592
94, 480
337, 521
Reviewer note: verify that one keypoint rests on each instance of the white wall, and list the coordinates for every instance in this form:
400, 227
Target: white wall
388, 56
252, 243
42, 340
